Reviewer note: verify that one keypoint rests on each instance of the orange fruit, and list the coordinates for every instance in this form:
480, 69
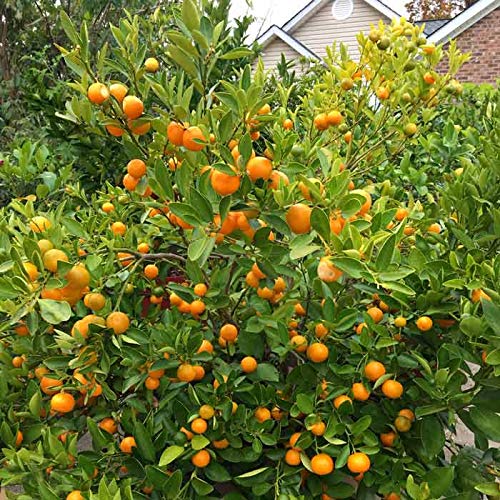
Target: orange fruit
383, 93
221, 444
276, 178
118, 322
257, 271
201, 458
40, 372
22, 330
62, 402
401, 213
358, 462
94, 301
429, 78
229, 332
264, 110
300, 343
368, 201
424, 323
48, 384
118, 228
400, 322
206, 346
320, 330
248, 364
406, 412
374, 370
402, 424
388, 438
317, 352
118, 91
114, 130
78, 277
129, 182
361, 327
298, 218
143, 248
151, 383
327, 272
139, 129
262, 414
206, 412
19, 438
52, 257
74, 495
17, 361
334, 118
322, 464
347, 83
360, 392
434, 228
31, 270
259, 168
97, 93
199, 426
151, 65
125, 258
478, 294
127, 443
151, 271
109, 425
45, 246
293, 440
292, 457
318, 428
340, 400
321, 121
265, 293
175, 133
39, 224
189, 136
197, 307
392, 389
288, 124
107, 207
200, 289
132, 107
136, 168
375, 314
392, 496
225, 184
186, 372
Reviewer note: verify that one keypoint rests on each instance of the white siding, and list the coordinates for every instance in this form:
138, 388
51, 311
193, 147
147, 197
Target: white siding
271, 54
321, 29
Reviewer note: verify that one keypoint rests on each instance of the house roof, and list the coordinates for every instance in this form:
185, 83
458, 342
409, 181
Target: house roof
276, 31
464, 20
432, 25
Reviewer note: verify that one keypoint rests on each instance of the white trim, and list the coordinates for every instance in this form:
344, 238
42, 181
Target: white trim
311, 6
464, 20
274, 30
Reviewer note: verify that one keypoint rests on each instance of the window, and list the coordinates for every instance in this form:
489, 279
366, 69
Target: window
342, 9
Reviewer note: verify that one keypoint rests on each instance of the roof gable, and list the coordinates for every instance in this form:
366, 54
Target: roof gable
276, 31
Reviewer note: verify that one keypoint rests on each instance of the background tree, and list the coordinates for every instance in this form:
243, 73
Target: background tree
436, 9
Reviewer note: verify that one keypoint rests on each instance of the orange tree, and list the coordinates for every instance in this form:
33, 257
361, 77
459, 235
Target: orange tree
246, 317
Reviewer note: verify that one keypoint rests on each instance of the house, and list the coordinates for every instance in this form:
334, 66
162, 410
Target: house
321, 22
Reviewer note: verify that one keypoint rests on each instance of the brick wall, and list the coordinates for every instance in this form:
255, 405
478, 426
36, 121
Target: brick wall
482, 41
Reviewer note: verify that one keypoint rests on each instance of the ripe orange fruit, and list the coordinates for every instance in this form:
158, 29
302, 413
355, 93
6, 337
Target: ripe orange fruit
334, 118
200, 289
400, 322
340, 400
19, 438
298, 218
402, 424
175, 133
434, 228
31, 270
48, 384
220, 444
152, 383
288, 124
17, 361
322, 464
248, 364
360, 392
478, 294
264, 110
127, 443
358, 462
125, 259
151, 65
375, 314
94, 301
374, 370
392, 496
186, 372
74, 495
424, 323
321, 121
118, 322
306, 193
22, 330
206, 346
293, 439
109, 425
388, 438
392, 389
347, 83
206, 412
52, 257
62, 402
45, 246
259, 168
151, 271
199, 426
406, 412
361, 327
107, 207
320, 330
197, 307
189, 136
78, 277
118, 228
401, 213
114, 130
262, 414
132, 107
229, 332
383, 93
129, 182
225, 184
292, 457
39, 224
429, 78
318, 428
140, 129
300, 343
136, 168
317, 352
201, 458
327, 272
143, 248
118, 91
276, 178
97, 93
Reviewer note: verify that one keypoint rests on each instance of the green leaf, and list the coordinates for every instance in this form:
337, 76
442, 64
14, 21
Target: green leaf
305, 403
144, 442
492, 315
488, 422
201, 487
386, 253
237, 53
202, 205
471, 326
183, 59
439, 480
190, 15
350, 266
99, 439
35, 404
320, 223
432, 436
341, 460
186, 212
69, 28
490, 489
199, 442
54, 311
170, 454
252, 473
265, 371
361, 425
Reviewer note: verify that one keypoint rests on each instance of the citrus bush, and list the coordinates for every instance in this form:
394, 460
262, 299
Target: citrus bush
248, 314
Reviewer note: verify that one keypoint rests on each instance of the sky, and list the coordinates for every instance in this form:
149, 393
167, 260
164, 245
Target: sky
278, 12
